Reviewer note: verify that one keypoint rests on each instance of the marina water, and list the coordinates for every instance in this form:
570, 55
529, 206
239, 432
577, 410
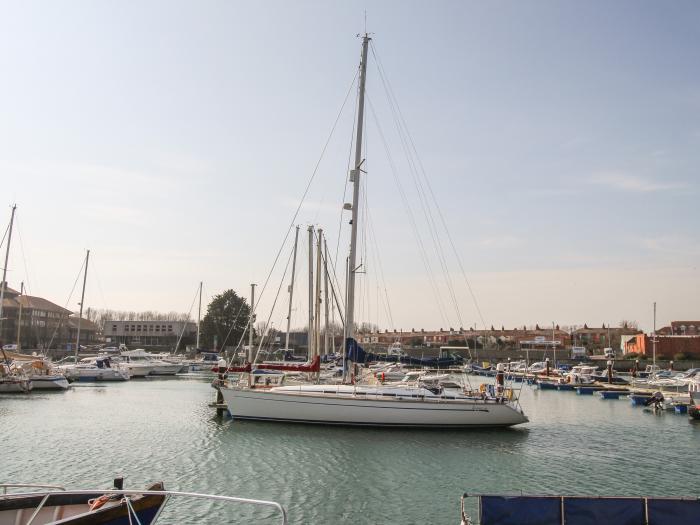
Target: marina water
163, 429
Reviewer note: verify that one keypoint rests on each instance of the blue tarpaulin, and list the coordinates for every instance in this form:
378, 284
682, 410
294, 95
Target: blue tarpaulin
520, 510
580, 510
673, 511
354, 351
598, 511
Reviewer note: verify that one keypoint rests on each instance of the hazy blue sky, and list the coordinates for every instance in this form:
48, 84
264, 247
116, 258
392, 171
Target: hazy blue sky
174, 139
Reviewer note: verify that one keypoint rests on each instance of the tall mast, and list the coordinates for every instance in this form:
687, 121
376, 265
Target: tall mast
325, 297
653, 341
82, 300
19, 318
252, 323
317, 309
355, 179
3, 285
291, 290
199, 314
310, 337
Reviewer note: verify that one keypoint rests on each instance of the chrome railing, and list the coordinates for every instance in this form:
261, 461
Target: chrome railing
167, 493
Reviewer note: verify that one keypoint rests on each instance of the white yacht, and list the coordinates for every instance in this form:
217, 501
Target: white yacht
141, 364
95, 369
381, 406
368, 405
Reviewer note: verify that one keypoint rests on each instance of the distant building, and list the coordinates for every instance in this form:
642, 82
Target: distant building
148, 333
602, 337
681, 328
667, 346
43, 323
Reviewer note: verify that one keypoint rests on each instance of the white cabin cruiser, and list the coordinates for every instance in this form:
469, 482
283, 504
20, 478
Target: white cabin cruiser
96, 369
141, 364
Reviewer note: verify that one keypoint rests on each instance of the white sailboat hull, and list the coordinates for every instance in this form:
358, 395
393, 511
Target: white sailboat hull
284, 404
54, 382
12, 385
96, 374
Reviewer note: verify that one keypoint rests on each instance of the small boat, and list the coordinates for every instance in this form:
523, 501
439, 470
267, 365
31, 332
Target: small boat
521, 509
611, 394
62, 507
42, 375
53, 505
13, 381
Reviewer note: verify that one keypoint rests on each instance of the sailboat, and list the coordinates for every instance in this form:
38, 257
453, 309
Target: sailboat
98, 369
369, 405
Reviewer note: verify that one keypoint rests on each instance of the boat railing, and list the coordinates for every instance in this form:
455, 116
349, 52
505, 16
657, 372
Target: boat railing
5, 486
130, 492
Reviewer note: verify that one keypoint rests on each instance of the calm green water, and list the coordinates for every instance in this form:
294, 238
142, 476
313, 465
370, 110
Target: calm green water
162, 429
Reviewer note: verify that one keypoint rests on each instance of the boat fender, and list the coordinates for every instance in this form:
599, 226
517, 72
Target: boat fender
98, 502
482, 387
382, 377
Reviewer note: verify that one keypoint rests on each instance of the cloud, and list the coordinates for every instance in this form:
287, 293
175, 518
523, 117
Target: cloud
632, 183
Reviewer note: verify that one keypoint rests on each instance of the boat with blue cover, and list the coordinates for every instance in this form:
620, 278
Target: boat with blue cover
499, 509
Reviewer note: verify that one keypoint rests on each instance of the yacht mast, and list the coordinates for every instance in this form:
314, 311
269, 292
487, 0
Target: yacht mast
355, 179
653, 342
310, 336
82, 300
317, 309
19, 318
291, 290
325, 297
3, 284
199, 314
252, 323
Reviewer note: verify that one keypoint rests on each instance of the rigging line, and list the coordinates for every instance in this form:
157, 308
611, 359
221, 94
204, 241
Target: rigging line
233, 325
303, 197
272, 310
24, 258
99, 284
432, 195
412, 221
425, 207
184, 324
335, 298
65, 306
347, 171
7, 228
373, 239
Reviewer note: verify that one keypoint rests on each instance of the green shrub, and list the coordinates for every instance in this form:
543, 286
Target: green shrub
631, 355
680, 356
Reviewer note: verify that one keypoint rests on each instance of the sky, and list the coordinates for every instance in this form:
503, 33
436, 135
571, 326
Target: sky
559, 145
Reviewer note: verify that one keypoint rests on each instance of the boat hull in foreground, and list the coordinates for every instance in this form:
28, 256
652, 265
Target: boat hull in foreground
369, 406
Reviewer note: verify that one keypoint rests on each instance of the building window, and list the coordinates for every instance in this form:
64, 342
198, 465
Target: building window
170, 328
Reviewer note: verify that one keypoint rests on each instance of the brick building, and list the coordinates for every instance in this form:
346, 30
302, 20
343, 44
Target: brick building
667, 346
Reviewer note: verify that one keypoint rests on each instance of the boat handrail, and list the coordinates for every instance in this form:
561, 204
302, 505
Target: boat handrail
166, 493
5, 486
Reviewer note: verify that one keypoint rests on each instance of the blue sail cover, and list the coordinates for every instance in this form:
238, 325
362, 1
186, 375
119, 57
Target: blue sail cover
663, 511
599, 511
520, 510
354, 351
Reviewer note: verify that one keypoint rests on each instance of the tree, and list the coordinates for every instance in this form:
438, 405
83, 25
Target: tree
633, 325
226, 319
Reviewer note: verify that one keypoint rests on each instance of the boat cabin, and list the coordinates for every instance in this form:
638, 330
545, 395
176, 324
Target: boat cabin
266, 378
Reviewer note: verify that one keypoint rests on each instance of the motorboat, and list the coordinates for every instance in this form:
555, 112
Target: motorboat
141, 364
96, 369
580, 375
